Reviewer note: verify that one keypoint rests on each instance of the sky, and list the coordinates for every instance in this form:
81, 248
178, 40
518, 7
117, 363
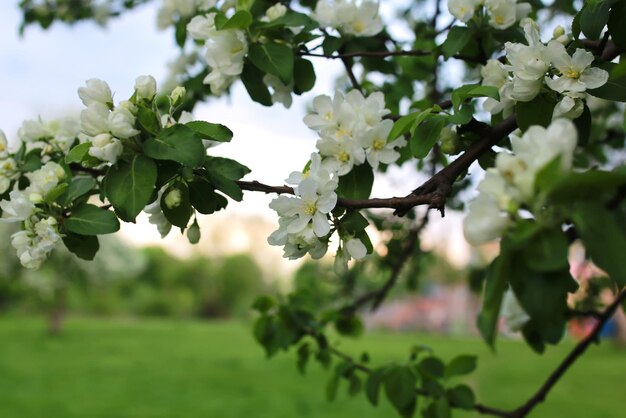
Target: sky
41, 71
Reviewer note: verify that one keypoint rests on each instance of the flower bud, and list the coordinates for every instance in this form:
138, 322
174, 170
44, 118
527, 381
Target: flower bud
177, 95
558, 31
4, 152
145, 87
193, 233
276, 11
450, 143
173, 198
96, 91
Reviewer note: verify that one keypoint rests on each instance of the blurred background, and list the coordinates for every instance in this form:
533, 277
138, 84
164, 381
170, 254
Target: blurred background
158, 328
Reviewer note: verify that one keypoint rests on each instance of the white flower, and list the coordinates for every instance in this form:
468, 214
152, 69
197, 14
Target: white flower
515, 317
224, 53
156, 216
202, 27
106, 148
280, 92
360, 19
34, 245
576, 73
276, 11
309, 206
571, 106
502, 13
298, 244
94, 119
355, 248
528, 62
8, 172
121, 123
96, 91
18, 208
4, 146
484, 221
377, 149
145, 87
33, 131
325, 181
44, 180
494, 74
325, 113
462, 9
525, 90
340, 156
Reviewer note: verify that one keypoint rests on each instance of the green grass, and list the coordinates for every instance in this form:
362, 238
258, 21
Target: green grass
136, 369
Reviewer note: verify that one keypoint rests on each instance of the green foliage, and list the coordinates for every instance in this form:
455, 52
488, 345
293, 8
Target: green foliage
357, 184
273, 58
129, 186
89, 219
426, 134
177, 143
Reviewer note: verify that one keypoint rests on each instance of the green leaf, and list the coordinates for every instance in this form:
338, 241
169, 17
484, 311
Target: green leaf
463, 115
89, 219
372, 385
148, 120
615, 87
438, 408
303, 357
349, 325
355, 385
617, 24
425, 135
587, 185
357, 184
467, 91
432, 367
83, 246
179, 214
331, 388
496, 284
55, 192
76, 154
406, 123
180, 34
252, 79
331, 44
289, 19
400, 389
602, 234
228, 168
458, 37
80, 186
177, 143
353, 222
244, 4
273, 58
547, 251
32, 161
461, 365
212, 131
224, 184
593, 18
304, 76
263, 304
203, 197
129, 186
538, 111
461, 396
240, 20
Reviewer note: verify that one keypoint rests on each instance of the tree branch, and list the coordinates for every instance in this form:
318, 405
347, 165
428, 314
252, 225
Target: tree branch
385, 54
579, 350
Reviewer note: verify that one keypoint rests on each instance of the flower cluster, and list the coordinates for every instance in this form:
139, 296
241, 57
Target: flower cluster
511, 183
534, 66
54, 136
8, 167
172, 10
40, 233
358, 18
106, 125
352, 131
502, 14
225, 51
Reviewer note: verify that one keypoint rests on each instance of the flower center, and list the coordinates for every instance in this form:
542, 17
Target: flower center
328, 116
358, 26
572, 73
378, 144
310, 209
499, 19
343, 156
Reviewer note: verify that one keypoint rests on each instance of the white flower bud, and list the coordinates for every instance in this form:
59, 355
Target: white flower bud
276, 11
145, 87
177, 95
96, 91
173, 199
4, 146
558, 32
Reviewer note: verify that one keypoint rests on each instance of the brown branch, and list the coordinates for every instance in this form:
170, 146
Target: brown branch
439, 186
385, 54
579, 350
348, 66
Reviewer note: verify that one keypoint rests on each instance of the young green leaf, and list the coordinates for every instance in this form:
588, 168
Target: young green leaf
129, 185
89, 219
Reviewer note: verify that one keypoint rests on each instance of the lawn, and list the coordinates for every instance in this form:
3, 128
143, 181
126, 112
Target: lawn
160, 368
